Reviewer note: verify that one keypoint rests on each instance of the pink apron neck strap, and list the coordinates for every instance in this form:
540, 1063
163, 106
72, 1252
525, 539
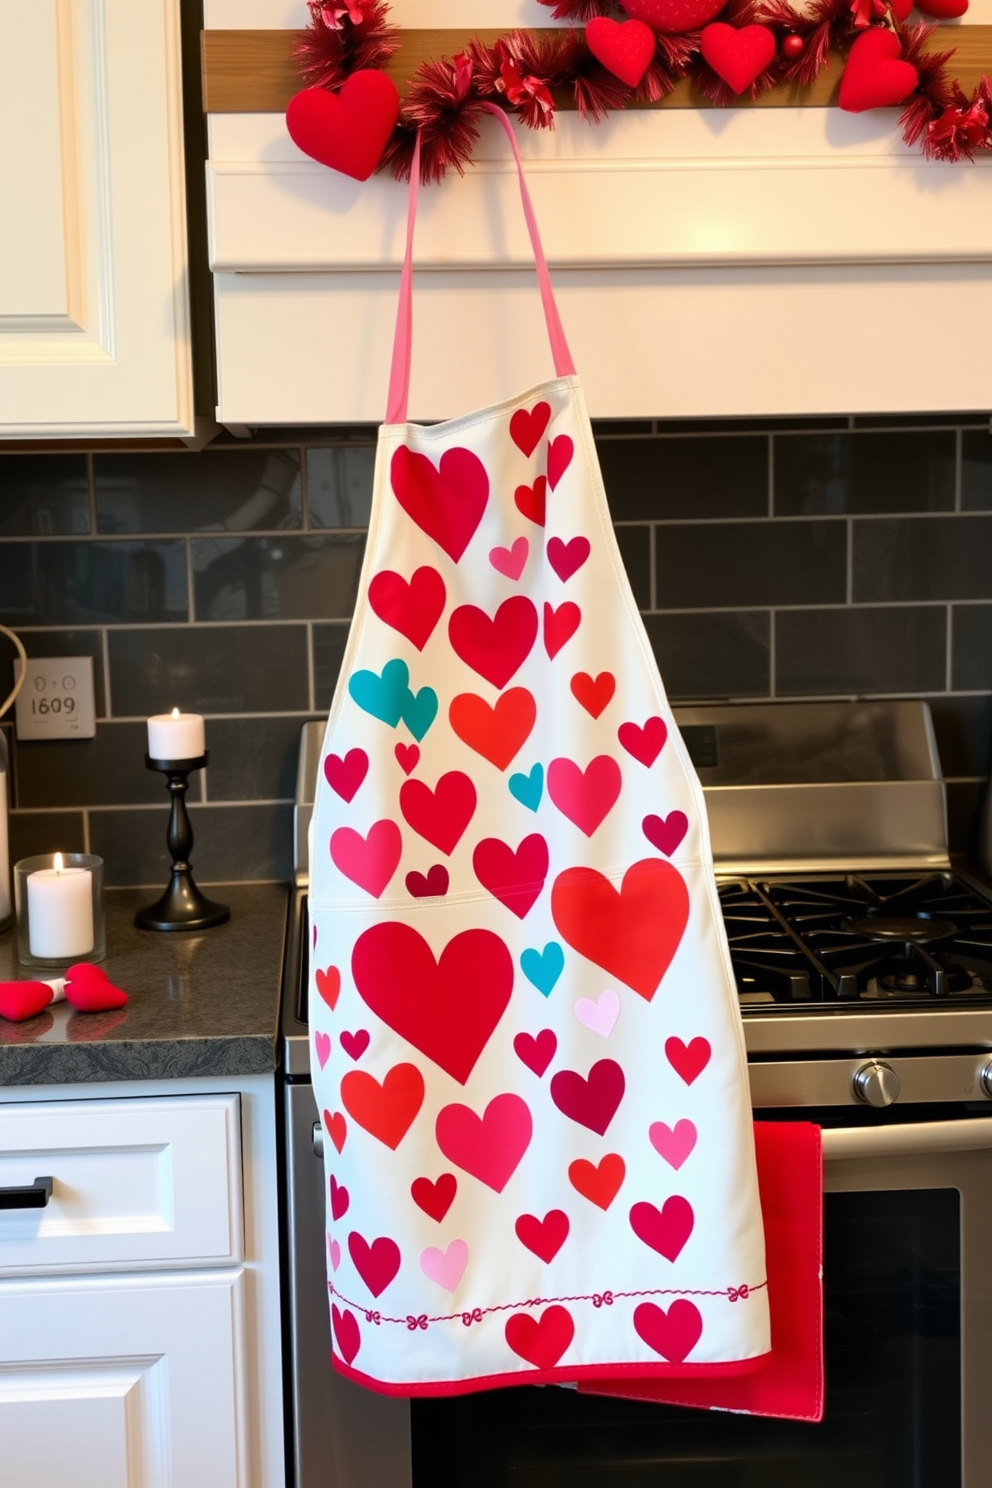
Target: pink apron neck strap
399, 377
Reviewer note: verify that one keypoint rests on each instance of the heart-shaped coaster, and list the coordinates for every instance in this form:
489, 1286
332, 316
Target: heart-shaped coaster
90, 990
674, 16
347, 130
625, 48
737, 56
22, 1000
874, 76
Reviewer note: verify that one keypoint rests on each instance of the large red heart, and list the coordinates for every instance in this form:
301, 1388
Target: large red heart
348, 130
489, 1146
515, 878
674, 16
412, 608
737, 56
446, 501
440, 815
377, 1263
632, 933
540, 1340
874, 76
497, 647
496, 731
667, 1229
388, 1110
447, 1009
625, 48
672, 1334
592, 1101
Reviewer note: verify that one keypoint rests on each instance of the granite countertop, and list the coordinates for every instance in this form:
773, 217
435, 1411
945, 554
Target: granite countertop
201, 1003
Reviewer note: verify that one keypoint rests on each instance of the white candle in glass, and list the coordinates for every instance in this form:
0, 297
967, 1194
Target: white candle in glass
60, 911
176, 736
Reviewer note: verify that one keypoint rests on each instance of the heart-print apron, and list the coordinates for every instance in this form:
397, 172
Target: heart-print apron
526, 1043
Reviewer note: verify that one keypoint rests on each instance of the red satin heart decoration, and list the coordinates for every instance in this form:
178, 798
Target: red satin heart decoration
22, 1000
347, 130
625, 48
674, 16
90, 990
874, 76
737, 56
901, 8
944, 10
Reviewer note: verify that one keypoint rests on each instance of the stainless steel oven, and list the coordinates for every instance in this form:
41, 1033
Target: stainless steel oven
864, 967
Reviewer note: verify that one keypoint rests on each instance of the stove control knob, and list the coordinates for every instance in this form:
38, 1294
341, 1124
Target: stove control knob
876, 1084
985, 1079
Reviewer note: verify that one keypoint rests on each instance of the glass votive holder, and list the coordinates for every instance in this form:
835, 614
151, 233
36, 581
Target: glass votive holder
58, 903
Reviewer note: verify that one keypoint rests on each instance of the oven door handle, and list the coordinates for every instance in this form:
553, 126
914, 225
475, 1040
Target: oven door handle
848, 1142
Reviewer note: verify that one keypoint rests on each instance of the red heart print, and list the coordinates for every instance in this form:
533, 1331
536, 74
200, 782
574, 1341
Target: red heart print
489, 1146
874, 76
445, 501
510, 562
566, 558
336, 1128
665, 1230
347, 130
407, 757
559, 625
632, 933
412, 608
496, 731
737, 56
674, 17
387, 1110
515, 878
545, 1237
688, 1060
536, 1051
625, 48
370, 861
531, 501
22, 1000
340, 1199
497, 647
377, 1264
672, 1334
430, 885
329, 986
347, 1334
355, 1044
644, 743
440, 815
426, 1001
598, 1182
89, 990
322, 1045
592, 1101
594, 693
540, 1340
435, 1199
674, 1143
560, 453
527, 426
586, 796
344, 776
666, 832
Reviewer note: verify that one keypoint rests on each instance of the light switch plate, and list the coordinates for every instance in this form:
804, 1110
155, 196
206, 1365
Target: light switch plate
56, 701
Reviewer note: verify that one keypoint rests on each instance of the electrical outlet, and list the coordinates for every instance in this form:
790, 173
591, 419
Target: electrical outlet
56, 701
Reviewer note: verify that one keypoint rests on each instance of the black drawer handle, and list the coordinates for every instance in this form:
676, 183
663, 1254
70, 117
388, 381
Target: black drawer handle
34, 1196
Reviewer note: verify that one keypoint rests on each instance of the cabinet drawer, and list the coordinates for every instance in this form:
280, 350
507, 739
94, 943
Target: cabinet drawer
135, 1183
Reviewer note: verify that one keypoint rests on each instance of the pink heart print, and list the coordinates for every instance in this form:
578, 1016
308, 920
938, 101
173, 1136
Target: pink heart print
322, 1043
673, 1143
446, 1267
586, 796
369, 861
489, 1146
600, 1014
335, 1252
510, 562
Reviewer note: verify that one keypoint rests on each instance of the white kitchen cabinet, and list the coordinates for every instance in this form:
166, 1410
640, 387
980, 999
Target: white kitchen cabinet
140, 1342
94, 299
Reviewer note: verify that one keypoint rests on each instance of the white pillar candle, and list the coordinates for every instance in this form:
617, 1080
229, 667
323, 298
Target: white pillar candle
176, 736
60, 911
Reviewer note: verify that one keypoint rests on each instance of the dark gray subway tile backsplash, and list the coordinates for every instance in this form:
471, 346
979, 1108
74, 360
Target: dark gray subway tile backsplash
790, 558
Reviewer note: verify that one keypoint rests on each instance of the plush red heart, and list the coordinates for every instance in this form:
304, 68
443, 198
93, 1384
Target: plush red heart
348, 130
874, 76
674, 16
22, 1000
737, 56
90, 990
901, 8
944, 10
625, 48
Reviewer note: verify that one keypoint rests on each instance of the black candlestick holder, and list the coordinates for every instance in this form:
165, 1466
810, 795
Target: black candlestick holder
182, 906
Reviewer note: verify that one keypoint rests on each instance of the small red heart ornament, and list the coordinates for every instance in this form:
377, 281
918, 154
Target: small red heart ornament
901, 8
22, 1000
90, 990
874, 76
347, 130
674, 16
737, 56
944, 10
625, 48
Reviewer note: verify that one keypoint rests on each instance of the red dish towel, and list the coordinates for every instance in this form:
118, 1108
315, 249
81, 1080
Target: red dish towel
790, 1182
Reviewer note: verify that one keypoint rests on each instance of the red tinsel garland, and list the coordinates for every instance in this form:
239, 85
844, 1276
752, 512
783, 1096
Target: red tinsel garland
523, 71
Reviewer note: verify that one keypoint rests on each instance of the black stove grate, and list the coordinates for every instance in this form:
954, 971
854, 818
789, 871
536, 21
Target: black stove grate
846, 938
